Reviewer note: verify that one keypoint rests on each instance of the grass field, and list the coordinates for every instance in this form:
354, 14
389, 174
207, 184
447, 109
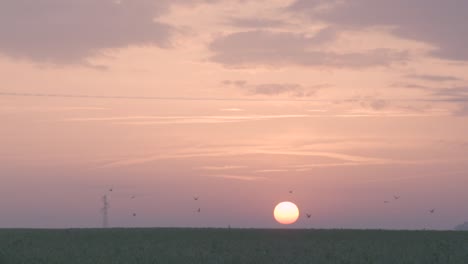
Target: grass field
127, 246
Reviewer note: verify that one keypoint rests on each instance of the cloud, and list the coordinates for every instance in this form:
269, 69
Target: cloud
462, 110
238, 83
311, 167
453, 93
255, 22
222, 168
410, 86
374, 104
456, 95
433, 78
239, 177
440, 23
49, 109
156, 98
71, 31
268, 48
232, 110
337, 156
273, 89
174, 120
246, 151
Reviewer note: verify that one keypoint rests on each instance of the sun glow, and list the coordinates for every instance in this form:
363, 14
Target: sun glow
286, 213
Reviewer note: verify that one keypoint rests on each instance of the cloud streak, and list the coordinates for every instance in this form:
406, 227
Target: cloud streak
161, 120
243, 151
433, 78
275, 89
239, 177
255, 23
233, 99
50, 109
222, 168
158, 98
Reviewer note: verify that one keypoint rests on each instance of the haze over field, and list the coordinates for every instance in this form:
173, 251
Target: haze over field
237, 102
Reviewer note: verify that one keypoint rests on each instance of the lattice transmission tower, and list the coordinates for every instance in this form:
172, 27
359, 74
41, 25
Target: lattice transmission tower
105, 211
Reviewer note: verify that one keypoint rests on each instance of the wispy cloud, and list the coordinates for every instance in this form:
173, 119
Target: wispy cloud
239, 177
276, 89
410, 86
50, 109
311, 167
338, 156
221, 168
433, 78
451, 93
248, 22
160, 120
310, 156
268, 48
317, 110
242, 151
232, 110
151, 158
391, 115
156, 98
270, 170
233, 99
462, 110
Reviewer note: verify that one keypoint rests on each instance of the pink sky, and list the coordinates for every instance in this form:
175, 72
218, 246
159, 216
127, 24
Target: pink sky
347, 103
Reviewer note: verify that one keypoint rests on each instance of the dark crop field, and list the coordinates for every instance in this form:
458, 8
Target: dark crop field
127, 246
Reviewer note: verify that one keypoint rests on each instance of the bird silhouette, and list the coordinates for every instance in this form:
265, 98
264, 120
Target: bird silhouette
308, 215
199, 210
134, 214
432, 211
132, 197
110, 190
291, 191
396, 197
196, 198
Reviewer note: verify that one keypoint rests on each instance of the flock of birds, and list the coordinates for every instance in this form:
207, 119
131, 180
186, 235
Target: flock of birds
132, 197
395, 197
308, 215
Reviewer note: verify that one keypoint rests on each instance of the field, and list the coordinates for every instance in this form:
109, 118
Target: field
127, 246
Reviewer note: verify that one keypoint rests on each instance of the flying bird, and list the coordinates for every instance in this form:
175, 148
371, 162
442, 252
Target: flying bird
132, 197
396, 197
110, 190
432, 211
195, 198
291, 191
134, 214
199, 210
308, 215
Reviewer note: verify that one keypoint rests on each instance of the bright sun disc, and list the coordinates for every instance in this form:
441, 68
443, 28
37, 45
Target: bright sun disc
286, 213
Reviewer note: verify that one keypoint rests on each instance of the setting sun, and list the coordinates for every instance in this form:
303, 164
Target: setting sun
286, 213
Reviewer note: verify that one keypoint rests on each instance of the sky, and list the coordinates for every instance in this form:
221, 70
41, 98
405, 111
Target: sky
346, 103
